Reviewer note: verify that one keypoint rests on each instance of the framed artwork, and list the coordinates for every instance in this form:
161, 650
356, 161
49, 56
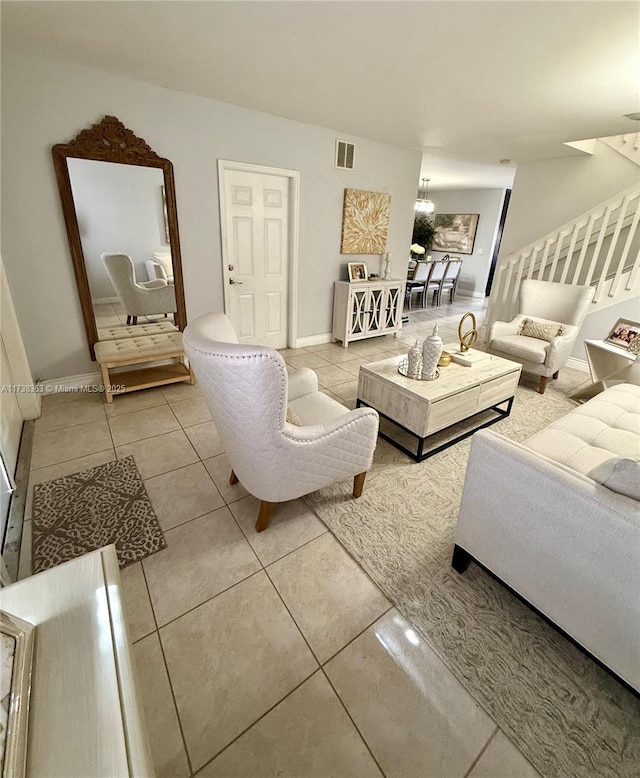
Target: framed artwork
16, 649
625, 334
365, 222
357, 271
455, 232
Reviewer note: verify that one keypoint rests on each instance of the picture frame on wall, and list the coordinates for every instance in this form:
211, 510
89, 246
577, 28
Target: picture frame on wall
365, 222
625, 334
455, 232
16, 660
357, 271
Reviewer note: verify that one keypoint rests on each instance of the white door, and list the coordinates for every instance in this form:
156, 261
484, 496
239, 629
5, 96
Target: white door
10, 431
255, 251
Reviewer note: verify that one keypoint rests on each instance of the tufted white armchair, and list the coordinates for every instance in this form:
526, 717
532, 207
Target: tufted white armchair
248, 392
549, 303
143, 298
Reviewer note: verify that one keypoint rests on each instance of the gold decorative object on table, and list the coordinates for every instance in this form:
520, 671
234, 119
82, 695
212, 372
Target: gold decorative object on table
467, 339
445, 359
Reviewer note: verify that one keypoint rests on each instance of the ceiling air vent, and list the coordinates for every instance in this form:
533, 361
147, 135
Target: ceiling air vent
344, 154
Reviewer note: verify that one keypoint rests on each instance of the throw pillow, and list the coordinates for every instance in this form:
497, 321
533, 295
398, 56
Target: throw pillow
293, 418
619, 474
541, 330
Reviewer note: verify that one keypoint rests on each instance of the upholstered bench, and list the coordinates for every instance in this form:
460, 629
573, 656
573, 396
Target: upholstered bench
136, 330
126, 352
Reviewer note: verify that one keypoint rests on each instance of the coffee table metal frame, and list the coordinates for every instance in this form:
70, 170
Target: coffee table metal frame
424, 408
420, 455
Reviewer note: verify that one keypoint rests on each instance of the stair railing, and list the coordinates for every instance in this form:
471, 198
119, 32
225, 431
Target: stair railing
598, 247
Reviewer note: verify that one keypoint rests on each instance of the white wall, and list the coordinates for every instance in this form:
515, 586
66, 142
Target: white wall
488, 204
550, 193
120, 211
45, 102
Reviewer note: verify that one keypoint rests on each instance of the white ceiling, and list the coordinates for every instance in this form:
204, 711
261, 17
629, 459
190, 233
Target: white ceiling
470, 83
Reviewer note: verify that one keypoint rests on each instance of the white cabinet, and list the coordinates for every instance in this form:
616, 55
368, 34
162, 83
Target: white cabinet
85, 718
364, 309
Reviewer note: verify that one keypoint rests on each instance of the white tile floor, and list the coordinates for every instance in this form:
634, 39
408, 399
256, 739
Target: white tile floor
270, 654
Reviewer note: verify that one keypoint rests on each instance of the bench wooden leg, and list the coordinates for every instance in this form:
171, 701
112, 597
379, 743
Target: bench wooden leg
543, 384
106, 382
358, 484
264, 515
555, 375
460, 559
233, 479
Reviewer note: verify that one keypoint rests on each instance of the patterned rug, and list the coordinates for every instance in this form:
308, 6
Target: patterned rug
85, 511
567, 716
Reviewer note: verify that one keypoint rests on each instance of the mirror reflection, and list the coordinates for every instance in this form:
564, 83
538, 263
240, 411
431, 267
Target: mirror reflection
122, 220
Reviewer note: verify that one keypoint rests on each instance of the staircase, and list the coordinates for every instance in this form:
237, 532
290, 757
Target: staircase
601, 248
627, 145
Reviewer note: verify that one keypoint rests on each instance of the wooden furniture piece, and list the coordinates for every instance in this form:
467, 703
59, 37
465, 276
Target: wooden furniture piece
422, 408
85, 718
128, 352
365, 309
605, 360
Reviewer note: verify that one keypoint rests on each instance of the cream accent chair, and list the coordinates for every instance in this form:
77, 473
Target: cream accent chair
144, 298
249, 392
547, 302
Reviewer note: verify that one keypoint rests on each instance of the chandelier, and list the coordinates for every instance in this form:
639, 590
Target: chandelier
423, 204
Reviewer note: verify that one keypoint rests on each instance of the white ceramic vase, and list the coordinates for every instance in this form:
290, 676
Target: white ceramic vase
431, 350
414, 357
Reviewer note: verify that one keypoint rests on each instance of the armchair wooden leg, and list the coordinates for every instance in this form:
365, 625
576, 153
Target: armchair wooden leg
543, 384
264, 515
555, 375
134, 320
358, 484
460, 559
233, 479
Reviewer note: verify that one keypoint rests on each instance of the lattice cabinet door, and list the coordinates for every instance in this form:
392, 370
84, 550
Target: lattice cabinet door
392, 311
359, 322
376, 310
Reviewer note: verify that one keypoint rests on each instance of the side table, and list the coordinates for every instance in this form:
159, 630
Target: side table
605, 361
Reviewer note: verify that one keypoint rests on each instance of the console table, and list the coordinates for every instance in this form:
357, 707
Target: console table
85, 718
365, 309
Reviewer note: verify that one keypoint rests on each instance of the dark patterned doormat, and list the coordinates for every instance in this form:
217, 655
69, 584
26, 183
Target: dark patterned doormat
85, 511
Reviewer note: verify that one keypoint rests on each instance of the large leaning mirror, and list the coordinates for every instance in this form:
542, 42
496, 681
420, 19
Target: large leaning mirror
119, 205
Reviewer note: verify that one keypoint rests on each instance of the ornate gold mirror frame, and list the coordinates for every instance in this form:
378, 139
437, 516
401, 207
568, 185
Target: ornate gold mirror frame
111, 141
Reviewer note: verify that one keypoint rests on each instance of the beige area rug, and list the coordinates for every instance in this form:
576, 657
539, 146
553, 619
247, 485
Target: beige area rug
85, 511
567, 715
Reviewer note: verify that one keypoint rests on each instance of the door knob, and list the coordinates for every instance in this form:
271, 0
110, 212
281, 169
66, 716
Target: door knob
233, 281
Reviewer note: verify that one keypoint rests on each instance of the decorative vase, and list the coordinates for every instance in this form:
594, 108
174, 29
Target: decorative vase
431, 350
414, 358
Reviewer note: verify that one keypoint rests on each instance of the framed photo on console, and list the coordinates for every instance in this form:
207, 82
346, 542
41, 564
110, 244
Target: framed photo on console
357, 271
625, 334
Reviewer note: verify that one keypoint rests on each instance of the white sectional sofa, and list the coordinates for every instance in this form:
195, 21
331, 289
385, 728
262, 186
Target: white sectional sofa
557, 519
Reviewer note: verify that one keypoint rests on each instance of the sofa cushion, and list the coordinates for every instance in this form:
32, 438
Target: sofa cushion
619, 474
522, 347
543, 330
607, 426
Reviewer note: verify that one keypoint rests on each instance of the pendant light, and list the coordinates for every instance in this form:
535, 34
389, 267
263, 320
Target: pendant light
423, 204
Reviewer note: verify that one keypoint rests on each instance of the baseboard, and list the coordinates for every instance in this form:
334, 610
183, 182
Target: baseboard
69, 383
313, 340
105, 300
578, 364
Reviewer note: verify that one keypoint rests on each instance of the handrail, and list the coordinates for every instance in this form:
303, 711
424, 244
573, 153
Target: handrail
594, 248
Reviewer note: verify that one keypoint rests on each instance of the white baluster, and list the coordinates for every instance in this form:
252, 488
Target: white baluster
585, 246
556, 256
545, 257
572, 247
596, 251
612, 246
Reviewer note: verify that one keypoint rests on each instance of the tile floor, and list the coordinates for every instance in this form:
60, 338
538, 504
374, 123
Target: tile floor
270, 654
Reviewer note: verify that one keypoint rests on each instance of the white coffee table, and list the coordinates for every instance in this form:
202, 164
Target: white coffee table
422, 408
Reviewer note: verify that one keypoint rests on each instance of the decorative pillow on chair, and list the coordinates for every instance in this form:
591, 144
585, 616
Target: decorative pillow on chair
541, 330
293, 418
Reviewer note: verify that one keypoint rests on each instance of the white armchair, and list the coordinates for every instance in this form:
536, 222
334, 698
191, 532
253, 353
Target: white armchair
548, 303
249, 394
144, 298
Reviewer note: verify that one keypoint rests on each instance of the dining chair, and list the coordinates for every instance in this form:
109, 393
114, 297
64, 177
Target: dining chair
434, 284
450, 280
419, 281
